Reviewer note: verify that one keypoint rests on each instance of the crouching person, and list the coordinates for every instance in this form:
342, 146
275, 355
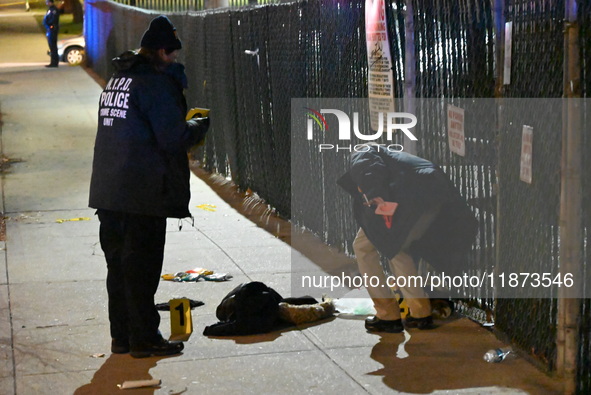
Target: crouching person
407, 209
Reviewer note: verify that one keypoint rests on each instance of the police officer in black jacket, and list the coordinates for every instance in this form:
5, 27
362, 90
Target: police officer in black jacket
51, 21
140, 176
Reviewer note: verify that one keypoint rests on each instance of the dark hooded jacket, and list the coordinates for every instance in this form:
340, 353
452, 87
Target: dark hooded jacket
51, 20
418, 186
140, 156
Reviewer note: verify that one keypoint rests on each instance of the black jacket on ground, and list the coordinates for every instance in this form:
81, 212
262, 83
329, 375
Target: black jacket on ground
140, 156
417, 185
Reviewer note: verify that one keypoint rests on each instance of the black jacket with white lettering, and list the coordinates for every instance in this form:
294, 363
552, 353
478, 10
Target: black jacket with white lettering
140, 161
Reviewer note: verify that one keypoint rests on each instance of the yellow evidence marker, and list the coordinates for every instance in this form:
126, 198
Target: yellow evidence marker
197, 113
181, 323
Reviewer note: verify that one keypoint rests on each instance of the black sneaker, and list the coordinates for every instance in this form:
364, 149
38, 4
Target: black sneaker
421, 323
119, 346
160, 348
374, 324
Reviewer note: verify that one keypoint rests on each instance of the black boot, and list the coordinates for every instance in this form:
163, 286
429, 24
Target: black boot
374, 324
421, 323
159, 348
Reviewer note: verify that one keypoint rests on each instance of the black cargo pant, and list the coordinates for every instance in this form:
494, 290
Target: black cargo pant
52, 42
134, 250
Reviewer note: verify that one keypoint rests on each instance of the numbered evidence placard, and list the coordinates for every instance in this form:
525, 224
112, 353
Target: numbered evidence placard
181, 323
401, 303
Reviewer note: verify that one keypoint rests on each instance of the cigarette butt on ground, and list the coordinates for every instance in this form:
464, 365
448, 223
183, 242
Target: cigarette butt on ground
139, 384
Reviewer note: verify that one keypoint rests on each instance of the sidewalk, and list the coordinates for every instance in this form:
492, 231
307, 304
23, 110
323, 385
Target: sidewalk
53, 315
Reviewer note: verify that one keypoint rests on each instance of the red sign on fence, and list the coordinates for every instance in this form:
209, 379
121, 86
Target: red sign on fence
455, 130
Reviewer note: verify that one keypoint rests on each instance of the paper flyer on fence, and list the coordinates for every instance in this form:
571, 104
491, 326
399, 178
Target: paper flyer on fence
379, 59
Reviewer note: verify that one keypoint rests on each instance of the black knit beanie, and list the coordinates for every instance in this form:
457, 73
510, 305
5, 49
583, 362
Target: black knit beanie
161, 34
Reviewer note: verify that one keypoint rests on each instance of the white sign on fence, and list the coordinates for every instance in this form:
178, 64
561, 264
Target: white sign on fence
380, 79
527, 145
455, 130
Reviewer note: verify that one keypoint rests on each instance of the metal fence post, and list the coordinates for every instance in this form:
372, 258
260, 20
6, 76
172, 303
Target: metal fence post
570, 204
409, 71
499, 30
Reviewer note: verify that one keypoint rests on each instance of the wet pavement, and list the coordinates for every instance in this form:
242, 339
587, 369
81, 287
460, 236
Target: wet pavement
53, 315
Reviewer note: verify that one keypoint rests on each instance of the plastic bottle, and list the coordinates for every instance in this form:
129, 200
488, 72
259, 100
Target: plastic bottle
355, 306
498, 355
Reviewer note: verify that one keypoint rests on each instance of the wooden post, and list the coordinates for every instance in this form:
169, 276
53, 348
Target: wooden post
570, 205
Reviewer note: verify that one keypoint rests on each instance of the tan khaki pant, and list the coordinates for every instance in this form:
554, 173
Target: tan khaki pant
402, 265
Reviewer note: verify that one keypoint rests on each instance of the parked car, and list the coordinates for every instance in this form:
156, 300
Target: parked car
71, 50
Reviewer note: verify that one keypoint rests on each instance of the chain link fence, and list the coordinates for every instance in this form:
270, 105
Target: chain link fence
246, 64
193, 5
529, 213
584, 355
454, 62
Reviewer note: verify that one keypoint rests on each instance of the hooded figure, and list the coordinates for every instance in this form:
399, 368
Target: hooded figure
140, 176
423, 216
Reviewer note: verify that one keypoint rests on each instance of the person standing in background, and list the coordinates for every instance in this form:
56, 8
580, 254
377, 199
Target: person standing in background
51, 21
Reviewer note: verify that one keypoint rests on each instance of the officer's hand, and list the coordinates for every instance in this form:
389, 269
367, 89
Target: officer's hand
203, 121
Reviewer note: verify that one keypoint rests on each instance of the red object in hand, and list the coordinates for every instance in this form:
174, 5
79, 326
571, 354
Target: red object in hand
386, 210
387, 221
